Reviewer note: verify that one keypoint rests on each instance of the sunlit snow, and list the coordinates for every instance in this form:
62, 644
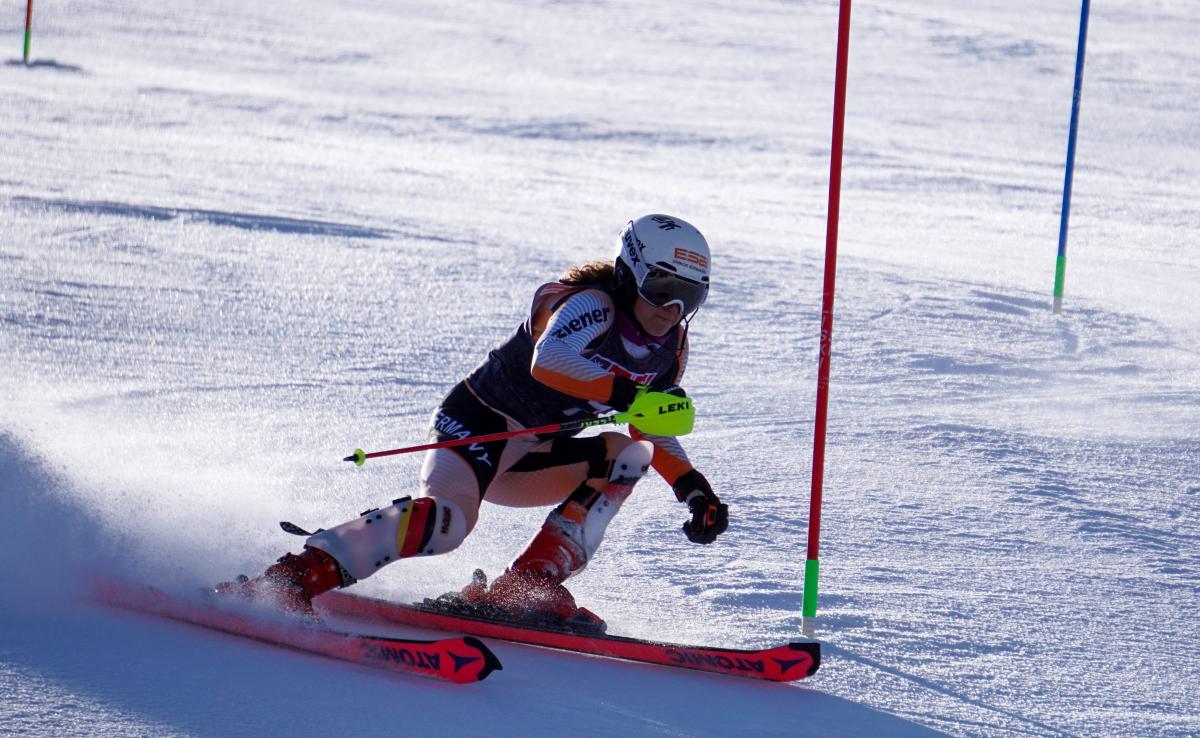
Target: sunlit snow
243, 239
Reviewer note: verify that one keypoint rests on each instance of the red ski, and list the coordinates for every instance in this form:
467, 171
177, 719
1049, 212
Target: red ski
459, 660
779, 664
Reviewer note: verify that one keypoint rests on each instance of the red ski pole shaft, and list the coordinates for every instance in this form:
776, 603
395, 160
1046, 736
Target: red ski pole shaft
358, 457
460, 441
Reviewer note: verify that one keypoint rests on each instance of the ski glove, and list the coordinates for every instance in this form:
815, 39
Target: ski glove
710, 517
624, 391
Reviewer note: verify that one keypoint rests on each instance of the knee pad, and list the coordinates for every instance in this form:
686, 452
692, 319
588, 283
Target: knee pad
408, 527
573, 531
629, 467
631, 464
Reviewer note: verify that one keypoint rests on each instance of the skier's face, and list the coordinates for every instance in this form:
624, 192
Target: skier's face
655, 321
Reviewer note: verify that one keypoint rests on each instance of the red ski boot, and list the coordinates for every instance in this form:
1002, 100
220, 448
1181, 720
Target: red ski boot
525, 597
531, 590
292, 583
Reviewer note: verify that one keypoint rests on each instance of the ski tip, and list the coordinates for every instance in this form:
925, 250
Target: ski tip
491, 662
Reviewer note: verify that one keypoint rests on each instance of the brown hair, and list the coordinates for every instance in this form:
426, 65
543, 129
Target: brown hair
596, 272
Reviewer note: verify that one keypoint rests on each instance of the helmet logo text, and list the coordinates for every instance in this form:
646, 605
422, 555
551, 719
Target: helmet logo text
630, 250
691, 257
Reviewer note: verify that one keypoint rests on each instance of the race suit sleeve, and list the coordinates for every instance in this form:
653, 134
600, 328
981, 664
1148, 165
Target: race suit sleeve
558, 360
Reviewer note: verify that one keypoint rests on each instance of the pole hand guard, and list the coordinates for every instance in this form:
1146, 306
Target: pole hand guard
660, 414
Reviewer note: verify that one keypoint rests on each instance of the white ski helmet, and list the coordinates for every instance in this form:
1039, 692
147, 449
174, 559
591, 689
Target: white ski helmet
666, 260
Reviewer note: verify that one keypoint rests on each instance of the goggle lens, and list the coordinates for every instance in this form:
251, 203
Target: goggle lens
661, 289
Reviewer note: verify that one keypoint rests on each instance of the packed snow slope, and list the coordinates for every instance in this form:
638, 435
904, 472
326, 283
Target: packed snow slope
241, 240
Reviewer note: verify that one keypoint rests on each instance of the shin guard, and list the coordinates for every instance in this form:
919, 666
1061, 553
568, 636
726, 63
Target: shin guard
574, 530
408, 527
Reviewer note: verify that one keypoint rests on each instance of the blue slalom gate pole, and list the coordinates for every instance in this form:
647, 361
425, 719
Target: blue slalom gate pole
1060, 269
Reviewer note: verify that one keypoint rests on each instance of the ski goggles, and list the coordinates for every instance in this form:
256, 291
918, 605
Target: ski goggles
663, 289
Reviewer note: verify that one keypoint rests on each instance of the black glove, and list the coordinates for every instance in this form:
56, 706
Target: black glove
710, 517
623, 392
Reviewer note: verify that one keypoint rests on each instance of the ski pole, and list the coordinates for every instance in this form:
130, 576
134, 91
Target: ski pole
654, 413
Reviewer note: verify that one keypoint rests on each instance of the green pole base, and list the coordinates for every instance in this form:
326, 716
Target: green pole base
812, 570
811, 574
1060, 278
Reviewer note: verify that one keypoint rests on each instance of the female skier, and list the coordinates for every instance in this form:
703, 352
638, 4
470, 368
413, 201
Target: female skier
592, 341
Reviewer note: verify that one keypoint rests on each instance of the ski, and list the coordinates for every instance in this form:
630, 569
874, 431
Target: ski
784, 663
459, 660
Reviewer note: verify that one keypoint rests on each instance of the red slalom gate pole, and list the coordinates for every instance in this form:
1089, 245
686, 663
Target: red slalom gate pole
811, 564
28, 27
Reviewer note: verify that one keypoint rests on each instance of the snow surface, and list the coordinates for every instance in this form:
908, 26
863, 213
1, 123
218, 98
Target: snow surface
241, 240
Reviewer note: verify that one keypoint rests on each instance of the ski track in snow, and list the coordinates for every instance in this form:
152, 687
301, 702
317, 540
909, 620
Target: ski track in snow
237, 250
